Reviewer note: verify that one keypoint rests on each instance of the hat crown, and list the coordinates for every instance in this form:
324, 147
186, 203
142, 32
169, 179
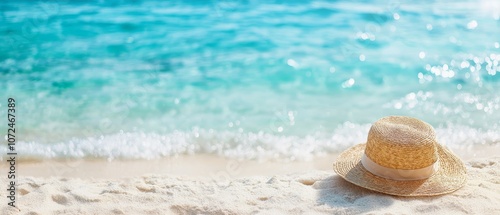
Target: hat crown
401, 142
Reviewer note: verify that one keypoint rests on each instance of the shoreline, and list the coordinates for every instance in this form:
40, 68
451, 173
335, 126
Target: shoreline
198, 166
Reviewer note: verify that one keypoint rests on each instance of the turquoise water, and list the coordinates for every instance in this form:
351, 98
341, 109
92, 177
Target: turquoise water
244, 79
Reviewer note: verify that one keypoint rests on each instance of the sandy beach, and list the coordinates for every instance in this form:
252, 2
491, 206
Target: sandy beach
211, 185
243, 107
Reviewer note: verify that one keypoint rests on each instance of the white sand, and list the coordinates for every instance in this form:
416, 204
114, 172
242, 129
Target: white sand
313, 192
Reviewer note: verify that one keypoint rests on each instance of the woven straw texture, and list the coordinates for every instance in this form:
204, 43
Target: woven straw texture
450, 176
395, 140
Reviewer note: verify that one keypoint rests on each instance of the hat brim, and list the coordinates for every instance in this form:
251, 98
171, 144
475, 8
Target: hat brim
450, 176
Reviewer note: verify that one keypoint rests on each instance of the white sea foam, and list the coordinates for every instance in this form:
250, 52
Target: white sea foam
257, 146
81, 71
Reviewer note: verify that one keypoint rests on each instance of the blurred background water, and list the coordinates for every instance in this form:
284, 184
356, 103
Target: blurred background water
245, 79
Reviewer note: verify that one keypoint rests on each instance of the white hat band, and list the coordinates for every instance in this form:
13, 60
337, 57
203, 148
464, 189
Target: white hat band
398, 174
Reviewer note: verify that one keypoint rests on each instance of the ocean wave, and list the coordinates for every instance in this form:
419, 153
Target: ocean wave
238, 145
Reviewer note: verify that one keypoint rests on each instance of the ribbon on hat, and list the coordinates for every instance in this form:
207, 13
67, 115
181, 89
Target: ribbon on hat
398, 174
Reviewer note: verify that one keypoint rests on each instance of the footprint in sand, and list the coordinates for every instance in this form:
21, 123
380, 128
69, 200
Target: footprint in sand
60, 199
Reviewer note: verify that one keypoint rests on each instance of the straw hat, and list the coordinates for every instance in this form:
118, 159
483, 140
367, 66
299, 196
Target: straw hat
402, 157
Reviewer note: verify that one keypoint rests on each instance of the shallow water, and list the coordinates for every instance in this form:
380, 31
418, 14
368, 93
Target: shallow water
146, 79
